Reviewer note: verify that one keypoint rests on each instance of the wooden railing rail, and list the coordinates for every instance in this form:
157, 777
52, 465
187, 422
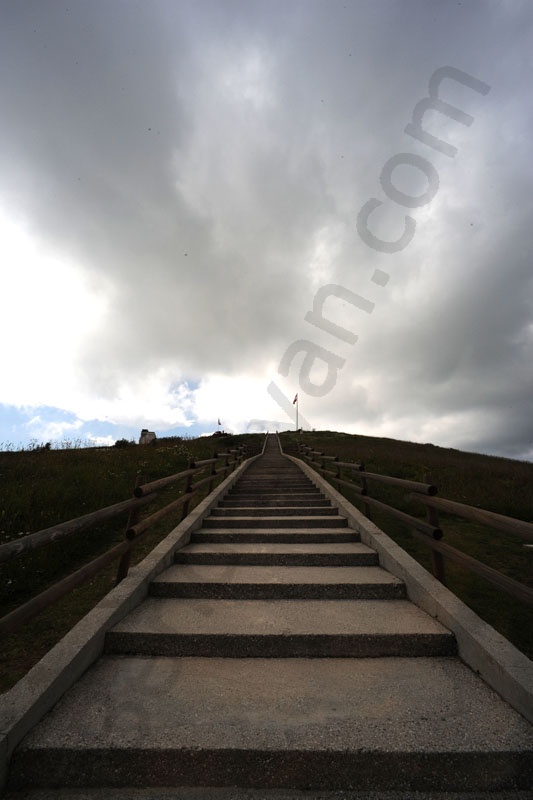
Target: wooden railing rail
13, 621
516, 589
498, 521
305, 448
401, 483
148, 488
427, 529
137, 530
144, 493
32, 541
429, 532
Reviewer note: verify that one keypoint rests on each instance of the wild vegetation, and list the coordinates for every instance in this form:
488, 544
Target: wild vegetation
43, 486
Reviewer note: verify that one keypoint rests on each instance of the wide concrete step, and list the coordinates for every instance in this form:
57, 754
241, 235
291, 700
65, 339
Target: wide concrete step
276, 479
277, 475
280, 511
238, 793
260, 497
274, 521
280, 501
263, 583
397, 724
263, 554
274, 504
302, 535
282, 488
279, 629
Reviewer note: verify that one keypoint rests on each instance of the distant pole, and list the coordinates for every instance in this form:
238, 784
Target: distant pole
296, 401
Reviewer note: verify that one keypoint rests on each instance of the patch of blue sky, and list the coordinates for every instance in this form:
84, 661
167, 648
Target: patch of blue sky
189, 432
184, 386
25, 427
22, 425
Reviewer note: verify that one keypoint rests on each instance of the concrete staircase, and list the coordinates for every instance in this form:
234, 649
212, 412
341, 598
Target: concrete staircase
277, 654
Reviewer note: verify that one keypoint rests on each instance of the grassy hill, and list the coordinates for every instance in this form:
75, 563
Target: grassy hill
40, 488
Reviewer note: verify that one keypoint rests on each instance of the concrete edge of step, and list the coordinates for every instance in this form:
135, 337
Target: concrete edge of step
501, 665
243, 793
22, 706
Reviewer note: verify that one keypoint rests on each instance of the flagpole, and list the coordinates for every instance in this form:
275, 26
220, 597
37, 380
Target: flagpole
297, 401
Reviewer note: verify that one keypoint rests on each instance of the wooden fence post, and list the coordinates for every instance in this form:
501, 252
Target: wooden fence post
133, 519
437, 558
188, 489
364, 484
213, 473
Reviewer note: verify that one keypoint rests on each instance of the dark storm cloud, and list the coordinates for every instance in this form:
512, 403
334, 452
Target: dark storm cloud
194, 157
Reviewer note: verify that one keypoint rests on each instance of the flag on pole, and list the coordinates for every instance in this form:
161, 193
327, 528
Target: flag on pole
295, 398
219, 422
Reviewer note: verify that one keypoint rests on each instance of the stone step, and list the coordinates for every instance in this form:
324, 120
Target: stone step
395, 724
260, 489
302, 535
270, 522
276, 475
277, 478
282, 500
255, 497
275, 481
245, 582
236, 793
280, 511
264, 554
282, 488
279, 629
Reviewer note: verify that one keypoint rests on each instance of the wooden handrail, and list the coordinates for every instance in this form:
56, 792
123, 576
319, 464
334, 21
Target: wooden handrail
357, 465
13, 621
161, 483
206, 461
349, 484
348, 464
509, 585
414, 522
32, 541
135, 531
430, 532
499, 521
143, 494
415, 486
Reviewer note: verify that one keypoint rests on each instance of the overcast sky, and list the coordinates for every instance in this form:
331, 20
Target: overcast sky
179, 178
